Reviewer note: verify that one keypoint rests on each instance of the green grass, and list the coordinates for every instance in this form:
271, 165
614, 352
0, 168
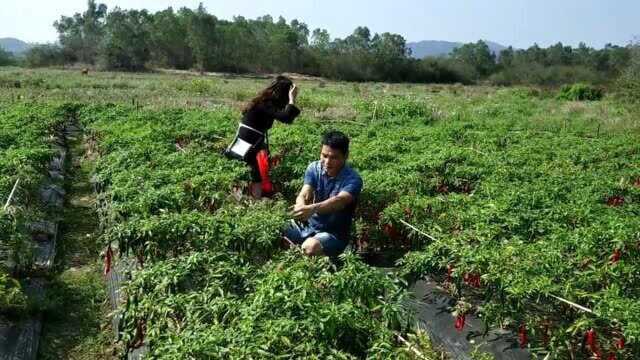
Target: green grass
73, 324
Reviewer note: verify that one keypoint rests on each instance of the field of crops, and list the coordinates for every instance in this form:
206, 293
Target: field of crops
25, 149
516, 201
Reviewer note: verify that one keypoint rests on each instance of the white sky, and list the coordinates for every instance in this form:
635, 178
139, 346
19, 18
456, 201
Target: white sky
509, 22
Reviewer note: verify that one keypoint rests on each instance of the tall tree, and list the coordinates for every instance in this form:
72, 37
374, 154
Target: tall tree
391, 55
81, 34
126, 40
202, 37
167, 35
478, 56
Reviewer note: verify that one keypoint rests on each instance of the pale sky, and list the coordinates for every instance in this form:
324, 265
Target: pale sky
509, 22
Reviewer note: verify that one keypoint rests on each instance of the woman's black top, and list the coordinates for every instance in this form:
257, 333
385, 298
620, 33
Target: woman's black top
261, 118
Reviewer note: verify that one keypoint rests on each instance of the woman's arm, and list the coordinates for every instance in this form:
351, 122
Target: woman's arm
287, 115
290, 111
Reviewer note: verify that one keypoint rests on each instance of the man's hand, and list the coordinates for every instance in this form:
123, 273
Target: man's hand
302, 212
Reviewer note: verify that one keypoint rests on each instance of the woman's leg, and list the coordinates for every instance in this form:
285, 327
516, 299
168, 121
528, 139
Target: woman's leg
256, 177
255, 187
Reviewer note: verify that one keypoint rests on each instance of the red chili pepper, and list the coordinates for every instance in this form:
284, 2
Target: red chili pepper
522, 334
391, 231
615, 257
620, 343
276, 160
591, 339
612, 356
449, 272
472, 280
107, 260
460, 320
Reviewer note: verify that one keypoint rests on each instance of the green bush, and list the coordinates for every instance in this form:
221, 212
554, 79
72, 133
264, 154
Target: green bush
44, 55
6, 58
12, 299
580, 92
537, 74
202, 87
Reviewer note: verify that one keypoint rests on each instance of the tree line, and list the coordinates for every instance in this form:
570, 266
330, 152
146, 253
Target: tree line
135, 40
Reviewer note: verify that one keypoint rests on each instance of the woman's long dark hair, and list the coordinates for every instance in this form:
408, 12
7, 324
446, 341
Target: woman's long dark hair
276, 93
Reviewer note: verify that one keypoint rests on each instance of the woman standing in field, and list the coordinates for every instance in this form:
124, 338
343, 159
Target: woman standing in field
251, 144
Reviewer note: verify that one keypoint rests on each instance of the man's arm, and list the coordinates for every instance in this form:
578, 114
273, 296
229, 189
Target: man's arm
333, 204
305, 197
303, 211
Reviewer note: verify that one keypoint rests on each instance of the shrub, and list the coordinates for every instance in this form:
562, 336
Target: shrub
536, 74
44, 55
580, 92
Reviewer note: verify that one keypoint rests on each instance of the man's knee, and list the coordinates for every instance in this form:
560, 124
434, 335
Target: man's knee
312, 247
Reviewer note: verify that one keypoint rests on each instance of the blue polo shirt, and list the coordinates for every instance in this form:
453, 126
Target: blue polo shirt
337, 223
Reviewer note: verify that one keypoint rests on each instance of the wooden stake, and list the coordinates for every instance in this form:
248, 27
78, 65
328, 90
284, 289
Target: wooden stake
15, 186
579, 307
418, 230
411, 347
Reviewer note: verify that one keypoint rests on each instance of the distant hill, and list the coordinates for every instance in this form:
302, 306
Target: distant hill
13, 45
435, 48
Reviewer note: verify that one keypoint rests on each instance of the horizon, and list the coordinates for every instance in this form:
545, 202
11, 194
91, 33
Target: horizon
600, 23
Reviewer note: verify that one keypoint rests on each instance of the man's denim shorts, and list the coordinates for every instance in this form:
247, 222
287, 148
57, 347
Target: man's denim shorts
298, 233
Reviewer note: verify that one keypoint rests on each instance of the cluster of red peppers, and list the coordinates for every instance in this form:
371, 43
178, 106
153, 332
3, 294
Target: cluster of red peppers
472, 279
590, 338
591, 343
615, 201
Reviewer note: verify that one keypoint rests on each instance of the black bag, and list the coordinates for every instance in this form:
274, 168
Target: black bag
240, 149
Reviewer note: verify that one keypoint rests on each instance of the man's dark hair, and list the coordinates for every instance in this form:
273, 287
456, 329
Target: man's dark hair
337, 141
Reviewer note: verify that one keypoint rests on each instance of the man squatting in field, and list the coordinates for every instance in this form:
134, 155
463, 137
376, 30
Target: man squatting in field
326, 204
